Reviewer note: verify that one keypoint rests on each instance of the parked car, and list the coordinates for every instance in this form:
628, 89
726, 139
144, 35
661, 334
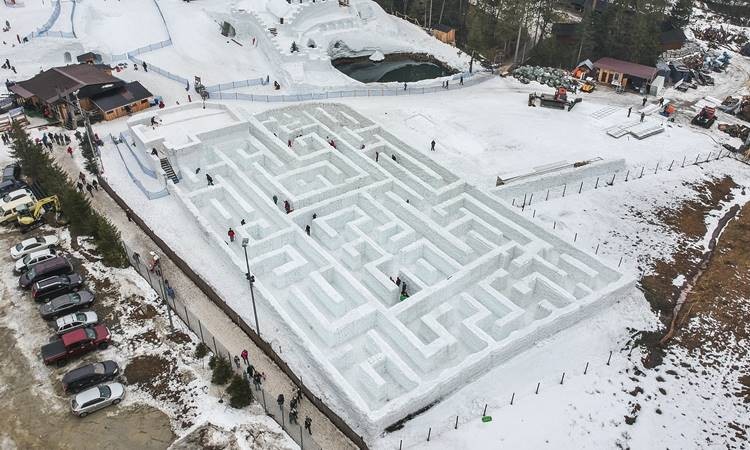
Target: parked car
33, 258
89, 375
52, 287
11, 185
16, 195
75, 343
75, 320
97, 398
27, 246
54, 266
11, 172
66, 304
9, 211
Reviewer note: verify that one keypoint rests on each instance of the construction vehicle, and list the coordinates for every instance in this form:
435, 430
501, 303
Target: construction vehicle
46, 210
559, 100
705, 118
588, 86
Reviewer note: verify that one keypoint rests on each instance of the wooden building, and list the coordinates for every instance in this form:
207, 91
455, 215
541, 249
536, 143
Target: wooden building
53, 92
445, 34
624, 73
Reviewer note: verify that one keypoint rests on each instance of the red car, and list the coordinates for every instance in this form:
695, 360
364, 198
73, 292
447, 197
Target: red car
75, 343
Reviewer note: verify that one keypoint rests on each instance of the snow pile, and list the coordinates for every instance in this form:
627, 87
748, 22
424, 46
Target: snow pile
377, 56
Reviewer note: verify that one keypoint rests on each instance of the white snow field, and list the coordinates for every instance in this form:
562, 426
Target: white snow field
484, 283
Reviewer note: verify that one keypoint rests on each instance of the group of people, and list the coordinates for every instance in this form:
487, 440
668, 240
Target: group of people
258, 377
7, 65
91, 187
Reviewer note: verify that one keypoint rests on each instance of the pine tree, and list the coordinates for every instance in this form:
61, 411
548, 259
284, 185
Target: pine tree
239, 392
680, 14
109, 243
92, 165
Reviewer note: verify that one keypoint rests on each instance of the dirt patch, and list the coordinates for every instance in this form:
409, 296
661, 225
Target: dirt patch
150, 337
145, 369
179, 337
142, 310
717, 309
688, 220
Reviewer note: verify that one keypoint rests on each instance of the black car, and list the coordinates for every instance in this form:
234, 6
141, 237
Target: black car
10, 186
52, 287
65, 304
89, 375
45, 269
11, 172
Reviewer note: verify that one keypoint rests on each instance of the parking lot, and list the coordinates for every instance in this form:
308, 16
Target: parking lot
32, 392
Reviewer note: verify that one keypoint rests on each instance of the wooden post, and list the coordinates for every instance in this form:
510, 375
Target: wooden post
563, 378
597, 183
657, 167
627, 175
610, 357
484, 413
642, 171
580, 188
565, 186
554, 224
537, 387
670, 165
575, 237
512, 397
596, 252
683, 160
456, 427
524, 200
513, 203
530, 198
547, 197
586, 368
612, 183
620, 263
534, 214
400, 443
696, 158
429, 432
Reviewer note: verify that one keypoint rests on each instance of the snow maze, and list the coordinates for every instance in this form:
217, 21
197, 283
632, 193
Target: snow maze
483, 283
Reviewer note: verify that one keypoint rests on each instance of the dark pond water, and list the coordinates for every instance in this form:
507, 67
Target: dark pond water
398, 68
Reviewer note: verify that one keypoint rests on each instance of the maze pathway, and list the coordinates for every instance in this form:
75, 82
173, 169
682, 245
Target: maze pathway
477, 283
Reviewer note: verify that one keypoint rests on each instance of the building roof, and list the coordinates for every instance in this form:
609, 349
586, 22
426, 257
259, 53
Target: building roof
626, 67
89, 56
51, 84
128, 94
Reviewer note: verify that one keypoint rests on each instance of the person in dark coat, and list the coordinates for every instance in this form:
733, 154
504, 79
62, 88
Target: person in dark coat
210, 180
432, 145
90, 189
308, 424
630, 110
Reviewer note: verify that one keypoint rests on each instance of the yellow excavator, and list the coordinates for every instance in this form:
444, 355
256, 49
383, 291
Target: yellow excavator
46, 210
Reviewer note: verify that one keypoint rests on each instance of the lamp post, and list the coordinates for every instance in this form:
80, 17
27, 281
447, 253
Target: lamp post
251, 279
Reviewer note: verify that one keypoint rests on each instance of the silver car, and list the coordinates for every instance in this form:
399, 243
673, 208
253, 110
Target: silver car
75, 320
97, 398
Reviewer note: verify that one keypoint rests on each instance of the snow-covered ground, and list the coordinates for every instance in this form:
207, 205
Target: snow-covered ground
481, 133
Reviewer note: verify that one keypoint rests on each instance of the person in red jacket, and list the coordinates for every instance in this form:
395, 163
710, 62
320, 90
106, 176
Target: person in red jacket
231, 234
70, 151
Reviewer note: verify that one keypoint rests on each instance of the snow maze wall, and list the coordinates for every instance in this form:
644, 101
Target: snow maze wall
484, 283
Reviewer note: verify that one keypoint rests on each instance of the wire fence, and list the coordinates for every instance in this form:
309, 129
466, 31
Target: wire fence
159, 282
526, 200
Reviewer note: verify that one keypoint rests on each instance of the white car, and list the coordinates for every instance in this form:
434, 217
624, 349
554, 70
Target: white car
9, 210
16, 195
23, 248
97, 398
76, 320
28, 261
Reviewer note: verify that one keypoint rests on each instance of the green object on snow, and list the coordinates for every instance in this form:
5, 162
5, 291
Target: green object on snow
487, 419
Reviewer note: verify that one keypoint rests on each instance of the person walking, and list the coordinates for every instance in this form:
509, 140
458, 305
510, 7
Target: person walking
404, 86
231, 235
237, 361
70, 151
275, 200
79, 185
432, 145
95, 184
82, 177
244, 357
644, 101
307, 229
630, 110
90, 189
287, 206
250, 371
308, 424
145, 67
293, 415
210, 180
643, 115
256, 381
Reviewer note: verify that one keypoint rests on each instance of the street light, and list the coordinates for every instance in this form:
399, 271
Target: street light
251, 279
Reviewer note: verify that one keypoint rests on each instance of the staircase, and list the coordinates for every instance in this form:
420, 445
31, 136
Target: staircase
167, 167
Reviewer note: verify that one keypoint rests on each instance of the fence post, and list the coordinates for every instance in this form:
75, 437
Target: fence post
657, 167
563, 378
580, 188
512, 397
642, 168
596, 186
547, 198
627, 175
456, 427
537, 387
683, 160
575, 237
531, 197
610, 357
200, 328
429, 432
187, 316
565, 187
586, 368
596, 252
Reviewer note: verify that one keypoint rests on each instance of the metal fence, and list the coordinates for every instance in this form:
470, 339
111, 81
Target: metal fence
377, 92
156, 279
160, 71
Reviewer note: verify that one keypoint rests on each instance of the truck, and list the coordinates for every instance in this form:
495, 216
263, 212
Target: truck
75, 343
